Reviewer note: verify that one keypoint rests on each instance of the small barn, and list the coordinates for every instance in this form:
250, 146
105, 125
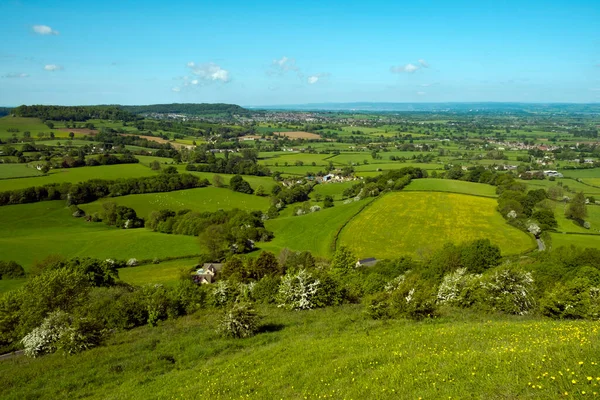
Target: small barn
367, 262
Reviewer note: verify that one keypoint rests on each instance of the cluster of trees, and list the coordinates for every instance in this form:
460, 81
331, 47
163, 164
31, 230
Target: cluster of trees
168, 180
72, 305
389, 180
100, 159
107, 135
11, 270
189, 109
230, 165
73, 113
223, 232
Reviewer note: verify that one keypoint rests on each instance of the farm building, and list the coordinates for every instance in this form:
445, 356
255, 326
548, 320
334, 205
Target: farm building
367, 262
206, 274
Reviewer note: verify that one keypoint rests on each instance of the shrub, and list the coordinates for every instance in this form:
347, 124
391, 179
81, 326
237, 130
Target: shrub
265, 290
61, 331
132, 262
298, 291
11, 270
453, 285
576, 299
414, 299
239, 321
509, 290
377, 306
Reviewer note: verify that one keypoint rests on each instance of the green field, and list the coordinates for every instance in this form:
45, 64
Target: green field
326, 353
74, 175
201, 199
166, 273
10, 171
33, 125
334, 189
314, 232
30, 232
448, 185
583, 241
568, 225
418, 223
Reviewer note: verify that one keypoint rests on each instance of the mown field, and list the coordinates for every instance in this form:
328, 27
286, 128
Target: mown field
166, 273
417, 223
201, 199
74, 175
11, 171
449, 185
313, 232
30, 232
326, 353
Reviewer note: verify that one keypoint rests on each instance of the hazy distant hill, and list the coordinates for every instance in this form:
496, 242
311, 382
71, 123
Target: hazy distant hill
203, 109
4, 111
440, 107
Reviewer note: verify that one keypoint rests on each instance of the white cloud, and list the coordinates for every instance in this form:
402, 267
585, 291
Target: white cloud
44, 30
285, 64
421, 93
176, 89
210, 72
312, 79
15, 75
195, 82
409, 68
53, 67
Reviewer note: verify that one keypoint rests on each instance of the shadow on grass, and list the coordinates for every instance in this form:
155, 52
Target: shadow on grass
266, 328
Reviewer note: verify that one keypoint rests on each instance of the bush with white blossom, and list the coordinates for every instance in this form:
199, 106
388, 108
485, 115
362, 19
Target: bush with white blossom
298, 291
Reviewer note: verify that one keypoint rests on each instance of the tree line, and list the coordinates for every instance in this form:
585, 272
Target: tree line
73, 113
84, 192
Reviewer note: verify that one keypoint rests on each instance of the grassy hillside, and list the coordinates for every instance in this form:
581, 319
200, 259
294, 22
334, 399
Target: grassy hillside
449, 185
314, 232
166, 273
416, 223
75, 175
11, 171
331, 352
200, 199
30, 232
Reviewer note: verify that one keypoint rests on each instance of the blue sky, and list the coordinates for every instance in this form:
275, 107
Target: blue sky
276, 52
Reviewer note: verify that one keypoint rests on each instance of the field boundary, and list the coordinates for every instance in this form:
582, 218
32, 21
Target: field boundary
446, 191
333, 245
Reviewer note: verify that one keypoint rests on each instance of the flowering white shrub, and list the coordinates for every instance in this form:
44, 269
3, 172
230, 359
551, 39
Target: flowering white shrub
61, 331
44, 339
534, 229
394, 284
315, 209
132, 262
587, 225
221, 293
239, 321
509, 290
512, 214
297, 291
452, 285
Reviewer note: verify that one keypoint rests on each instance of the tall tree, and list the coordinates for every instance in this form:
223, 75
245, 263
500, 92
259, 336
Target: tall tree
577, 209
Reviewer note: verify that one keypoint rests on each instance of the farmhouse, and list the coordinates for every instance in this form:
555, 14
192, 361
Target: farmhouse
206, 274
367, 262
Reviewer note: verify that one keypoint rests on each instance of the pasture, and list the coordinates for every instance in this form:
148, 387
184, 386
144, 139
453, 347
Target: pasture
315, 232
32, 125
449, 185
200, 199
166, 273
30, 232
10, 171
333, 189
325, 353
81, 174
298, 135
416, 224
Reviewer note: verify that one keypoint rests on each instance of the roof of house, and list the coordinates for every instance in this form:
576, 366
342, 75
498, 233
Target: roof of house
371, 259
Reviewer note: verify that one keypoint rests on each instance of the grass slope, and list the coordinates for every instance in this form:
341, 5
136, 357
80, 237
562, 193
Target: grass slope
200, 199
75, 175
314, 232
448, 185
415, 223
10, 171
332, 352
166, 273
30, 232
